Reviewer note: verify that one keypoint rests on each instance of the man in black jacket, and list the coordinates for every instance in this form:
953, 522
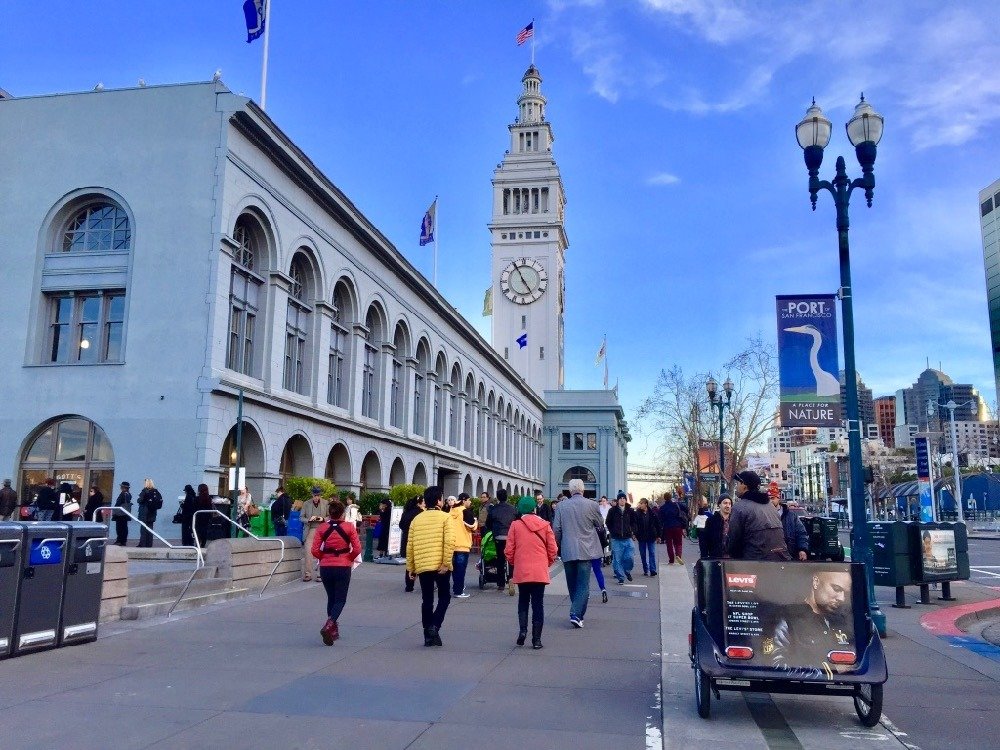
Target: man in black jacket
281, 509
47, 502
755, 528
621, 529
542, 510
500, 517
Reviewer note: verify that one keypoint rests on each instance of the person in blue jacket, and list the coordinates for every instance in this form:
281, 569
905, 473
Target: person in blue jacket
796, 536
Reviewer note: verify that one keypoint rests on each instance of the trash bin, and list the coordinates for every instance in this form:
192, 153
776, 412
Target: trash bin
261, 524
36, 623
81, 609
11, 549
295, 524
217, 526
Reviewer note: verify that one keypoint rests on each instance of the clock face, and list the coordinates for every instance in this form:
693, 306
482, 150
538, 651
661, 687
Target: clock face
524, 281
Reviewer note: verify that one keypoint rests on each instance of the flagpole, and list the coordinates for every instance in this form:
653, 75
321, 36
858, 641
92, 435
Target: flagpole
532, 41
605, 361
267, 35
435, 241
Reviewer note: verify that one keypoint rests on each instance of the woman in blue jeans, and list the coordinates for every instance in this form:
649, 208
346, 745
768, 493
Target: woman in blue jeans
647, 531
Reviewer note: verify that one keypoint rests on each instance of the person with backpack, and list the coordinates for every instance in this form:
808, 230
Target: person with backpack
674, 518
531, 549
336, 546
500, 518
413, 506
150, 501
281, 509
124, 501
463, 523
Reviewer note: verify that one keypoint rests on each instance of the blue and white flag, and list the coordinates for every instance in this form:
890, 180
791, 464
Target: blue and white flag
429, 225
522, 340
254, 10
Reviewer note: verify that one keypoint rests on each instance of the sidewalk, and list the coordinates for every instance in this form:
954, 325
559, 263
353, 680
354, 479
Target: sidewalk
254, 673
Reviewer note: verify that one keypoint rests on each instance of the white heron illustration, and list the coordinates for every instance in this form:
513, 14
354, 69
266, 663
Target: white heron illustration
826, 384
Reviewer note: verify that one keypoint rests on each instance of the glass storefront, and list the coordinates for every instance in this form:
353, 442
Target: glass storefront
73, 451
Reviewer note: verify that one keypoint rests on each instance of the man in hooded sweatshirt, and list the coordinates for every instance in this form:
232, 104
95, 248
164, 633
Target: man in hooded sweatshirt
755, 528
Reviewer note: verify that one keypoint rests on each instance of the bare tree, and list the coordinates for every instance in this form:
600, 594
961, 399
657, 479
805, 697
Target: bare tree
678, 415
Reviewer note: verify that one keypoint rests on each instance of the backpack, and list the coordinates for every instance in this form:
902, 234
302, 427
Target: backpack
155, 500
487, 547
343, 535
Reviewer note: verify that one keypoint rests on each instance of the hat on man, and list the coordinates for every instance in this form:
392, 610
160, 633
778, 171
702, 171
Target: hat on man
317, 491
750, 478
620, 495
125, 485
725, 496
6, 483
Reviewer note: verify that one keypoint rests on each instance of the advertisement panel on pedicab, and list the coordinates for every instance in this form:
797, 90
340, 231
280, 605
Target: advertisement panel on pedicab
796, 617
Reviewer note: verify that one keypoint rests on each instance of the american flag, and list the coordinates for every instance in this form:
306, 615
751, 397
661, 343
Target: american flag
525, 34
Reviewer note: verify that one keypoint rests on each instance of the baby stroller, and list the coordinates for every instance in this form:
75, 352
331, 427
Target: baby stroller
487, 565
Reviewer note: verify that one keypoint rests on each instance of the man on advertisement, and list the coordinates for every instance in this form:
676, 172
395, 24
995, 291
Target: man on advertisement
808, 631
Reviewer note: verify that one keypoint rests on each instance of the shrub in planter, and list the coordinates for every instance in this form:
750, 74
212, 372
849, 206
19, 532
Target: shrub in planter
403, 492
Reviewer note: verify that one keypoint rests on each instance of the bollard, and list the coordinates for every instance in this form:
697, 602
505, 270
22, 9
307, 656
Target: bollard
368, 555
901, 598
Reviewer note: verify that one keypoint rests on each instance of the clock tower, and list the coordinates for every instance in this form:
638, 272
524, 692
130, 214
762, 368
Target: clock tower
529, 246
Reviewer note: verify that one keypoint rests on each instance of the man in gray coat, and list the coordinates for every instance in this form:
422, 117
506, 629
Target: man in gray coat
575, 525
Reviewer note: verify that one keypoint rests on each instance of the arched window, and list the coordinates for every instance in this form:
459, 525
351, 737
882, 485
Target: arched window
490, 428
246, 296
469, 415
441, 375
73, 451
481, 421
501, 435
398, 389
98, 228
453, 415
419, 385
295, 375
84, 325
370, 375
580, 472
337, 383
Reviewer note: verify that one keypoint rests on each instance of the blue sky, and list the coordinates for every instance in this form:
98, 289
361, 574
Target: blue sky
688, 207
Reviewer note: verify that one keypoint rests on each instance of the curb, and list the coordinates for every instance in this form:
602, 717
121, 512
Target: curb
951, 621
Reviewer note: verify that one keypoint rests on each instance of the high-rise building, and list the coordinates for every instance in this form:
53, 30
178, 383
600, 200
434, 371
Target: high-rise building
866, 404
885, 418
989, 220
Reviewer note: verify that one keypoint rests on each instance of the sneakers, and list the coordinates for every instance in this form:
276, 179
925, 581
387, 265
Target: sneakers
653, 573
645, 573
575, 621
463, 595
510, 588
628, 575
680, 560
327, 632
604, 596
621, 582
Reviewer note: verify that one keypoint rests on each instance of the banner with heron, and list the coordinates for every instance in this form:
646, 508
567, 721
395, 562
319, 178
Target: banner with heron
807, 360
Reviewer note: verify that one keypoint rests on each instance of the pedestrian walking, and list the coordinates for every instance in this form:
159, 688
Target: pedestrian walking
414, 506
336, 546
188, 506
575, 526
755, 528
203, 501
463, 523
8, 502
281, 509
674, 518
95, 500
429, 550
500, 518
124, 501
796, 536
47, 502
621, 529
384, 522
712, 539
647, 531
149, 501
314, 512
485, 504
542, 510
531, 549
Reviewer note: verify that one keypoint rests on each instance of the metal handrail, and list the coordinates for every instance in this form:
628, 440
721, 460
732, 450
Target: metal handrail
281, 557
199, 561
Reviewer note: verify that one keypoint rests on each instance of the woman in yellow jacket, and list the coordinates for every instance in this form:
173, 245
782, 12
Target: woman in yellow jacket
463, 523
429, 551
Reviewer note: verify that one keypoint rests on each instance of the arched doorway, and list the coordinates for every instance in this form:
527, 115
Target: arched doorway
489, 489
73, 450
420, 475
588, 477
338, 466
371, 473
479, 486
397, 474
252, 461
296, 458
467, 485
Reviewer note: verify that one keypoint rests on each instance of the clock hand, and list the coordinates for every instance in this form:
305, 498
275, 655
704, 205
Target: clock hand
527, 288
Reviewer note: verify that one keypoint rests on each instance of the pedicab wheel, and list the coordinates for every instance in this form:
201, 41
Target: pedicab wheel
703, 693
868, 703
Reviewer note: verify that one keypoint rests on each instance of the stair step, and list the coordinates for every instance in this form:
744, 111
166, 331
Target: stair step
180, 575
154, 609
170, 591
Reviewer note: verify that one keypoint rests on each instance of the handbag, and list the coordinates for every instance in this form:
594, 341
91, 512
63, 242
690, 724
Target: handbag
253, 510
71, 507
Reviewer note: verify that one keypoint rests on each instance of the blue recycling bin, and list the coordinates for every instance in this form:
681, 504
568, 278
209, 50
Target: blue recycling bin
11, 550
295, 524
36, 621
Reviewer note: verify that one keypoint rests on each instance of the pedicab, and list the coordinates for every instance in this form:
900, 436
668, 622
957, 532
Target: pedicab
785, 627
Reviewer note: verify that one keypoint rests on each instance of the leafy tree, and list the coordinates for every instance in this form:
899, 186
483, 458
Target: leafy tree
403, 492
300, 488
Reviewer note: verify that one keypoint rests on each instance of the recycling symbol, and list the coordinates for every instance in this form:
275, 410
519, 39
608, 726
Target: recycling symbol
45, 552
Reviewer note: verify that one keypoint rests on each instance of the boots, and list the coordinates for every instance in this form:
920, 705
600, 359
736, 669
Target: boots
429, 636
435, 637
536, 635
327, 632
522, 619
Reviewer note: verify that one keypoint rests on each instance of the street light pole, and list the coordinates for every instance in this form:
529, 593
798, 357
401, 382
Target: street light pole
951, 406
864, 130
716, 400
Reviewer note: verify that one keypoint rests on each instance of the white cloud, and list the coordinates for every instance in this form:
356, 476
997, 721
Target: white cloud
663, 178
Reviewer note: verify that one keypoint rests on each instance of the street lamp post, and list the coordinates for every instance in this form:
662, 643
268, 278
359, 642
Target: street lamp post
951, 406
716, 400
864, 130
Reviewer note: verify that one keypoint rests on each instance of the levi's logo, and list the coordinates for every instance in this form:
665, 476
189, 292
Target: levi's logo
742, 580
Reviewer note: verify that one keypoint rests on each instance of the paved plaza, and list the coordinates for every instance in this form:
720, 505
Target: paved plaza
253, 673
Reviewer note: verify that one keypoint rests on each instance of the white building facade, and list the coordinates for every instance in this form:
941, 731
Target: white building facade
168, 247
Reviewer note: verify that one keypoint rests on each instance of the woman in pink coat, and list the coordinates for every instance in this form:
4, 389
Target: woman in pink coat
531, 549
